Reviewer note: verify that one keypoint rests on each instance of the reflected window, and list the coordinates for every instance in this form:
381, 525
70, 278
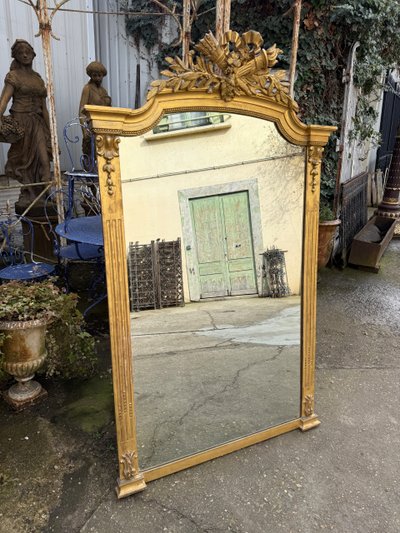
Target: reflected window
194, 119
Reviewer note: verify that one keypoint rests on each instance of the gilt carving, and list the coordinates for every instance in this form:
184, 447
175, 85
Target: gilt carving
235, 66
127, 461
315, 156
308, 404
107, 147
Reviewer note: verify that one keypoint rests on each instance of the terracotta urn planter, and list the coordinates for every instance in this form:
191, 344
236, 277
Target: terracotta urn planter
326, 234
24, 353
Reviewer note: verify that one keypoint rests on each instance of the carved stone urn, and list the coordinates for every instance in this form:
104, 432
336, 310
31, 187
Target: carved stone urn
24, 353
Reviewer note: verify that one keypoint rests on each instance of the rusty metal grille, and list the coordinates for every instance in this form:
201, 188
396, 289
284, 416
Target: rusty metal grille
275, 280
141, 277
155, 275
354, 212
170, 273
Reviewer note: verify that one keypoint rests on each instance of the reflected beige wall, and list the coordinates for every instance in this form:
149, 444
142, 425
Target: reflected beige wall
156, 168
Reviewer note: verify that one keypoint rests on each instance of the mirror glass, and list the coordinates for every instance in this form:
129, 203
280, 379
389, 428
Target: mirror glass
213, 211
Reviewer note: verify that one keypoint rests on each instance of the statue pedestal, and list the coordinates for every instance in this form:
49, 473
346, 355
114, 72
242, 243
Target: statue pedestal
41, 244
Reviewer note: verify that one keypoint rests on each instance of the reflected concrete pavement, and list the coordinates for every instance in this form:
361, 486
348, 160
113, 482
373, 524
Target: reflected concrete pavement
214, 371
342, 476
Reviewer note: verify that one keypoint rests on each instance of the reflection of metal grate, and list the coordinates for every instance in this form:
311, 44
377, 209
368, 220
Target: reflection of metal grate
275, 283
354, 211
141, 277
155, 275
170, 273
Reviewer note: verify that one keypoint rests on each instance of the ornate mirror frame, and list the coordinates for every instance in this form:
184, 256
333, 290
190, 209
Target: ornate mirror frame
232, 76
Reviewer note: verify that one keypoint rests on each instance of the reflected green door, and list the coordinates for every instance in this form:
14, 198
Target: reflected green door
225, 257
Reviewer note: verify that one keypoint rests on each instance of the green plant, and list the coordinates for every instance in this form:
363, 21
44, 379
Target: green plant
20, 301
326, 213
146, 28
70, 349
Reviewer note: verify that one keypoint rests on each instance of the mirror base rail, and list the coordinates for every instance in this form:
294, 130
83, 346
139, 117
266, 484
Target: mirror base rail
219, 451
126, 487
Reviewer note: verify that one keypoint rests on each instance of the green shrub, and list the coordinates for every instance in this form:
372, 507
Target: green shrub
70, 349
326, 213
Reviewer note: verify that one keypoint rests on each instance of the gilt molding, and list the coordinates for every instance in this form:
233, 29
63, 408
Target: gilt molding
237, 65
107, 148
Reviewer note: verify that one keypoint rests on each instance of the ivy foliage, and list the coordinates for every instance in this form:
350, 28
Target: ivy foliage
146, 28
328, 30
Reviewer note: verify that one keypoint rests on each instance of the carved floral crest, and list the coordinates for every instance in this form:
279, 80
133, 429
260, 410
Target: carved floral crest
235, 66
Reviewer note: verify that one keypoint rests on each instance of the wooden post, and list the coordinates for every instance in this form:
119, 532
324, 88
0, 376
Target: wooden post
45, 33
222, 18
186, 32
295, 45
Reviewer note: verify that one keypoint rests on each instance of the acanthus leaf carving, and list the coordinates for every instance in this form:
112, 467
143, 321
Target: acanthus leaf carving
309, 405
107, 147
315, 156
127, 462
235, 66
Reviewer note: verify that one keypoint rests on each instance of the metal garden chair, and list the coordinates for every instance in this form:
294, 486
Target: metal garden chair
18, 263
81, 199
82, 178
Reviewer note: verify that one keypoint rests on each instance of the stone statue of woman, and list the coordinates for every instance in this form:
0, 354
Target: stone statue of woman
28, 159
94, 94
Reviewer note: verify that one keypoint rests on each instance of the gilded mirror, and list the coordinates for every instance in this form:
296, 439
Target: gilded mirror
210, 196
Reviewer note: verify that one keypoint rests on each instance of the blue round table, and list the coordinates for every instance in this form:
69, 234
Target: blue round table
86, 230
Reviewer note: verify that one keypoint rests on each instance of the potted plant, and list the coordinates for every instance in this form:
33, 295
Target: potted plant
328, 224
38, 323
